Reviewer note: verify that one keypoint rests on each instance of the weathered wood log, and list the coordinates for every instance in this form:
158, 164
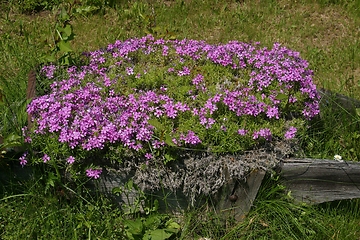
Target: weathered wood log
334, 100
316, 180
236, 197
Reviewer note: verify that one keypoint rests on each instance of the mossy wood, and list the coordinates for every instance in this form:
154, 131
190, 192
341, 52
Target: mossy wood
234, 199
316, 180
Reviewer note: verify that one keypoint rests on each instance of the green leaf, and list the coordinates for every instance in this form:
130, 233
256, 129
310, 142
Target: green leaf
157, 234
12, 140
173, 226
168, 140
152, 221
155, 123
358, 111
168, 158
65, 46
282, 97
64, 16
129, 184
86, 9
49, 58
135, 227
67, 29
117, 191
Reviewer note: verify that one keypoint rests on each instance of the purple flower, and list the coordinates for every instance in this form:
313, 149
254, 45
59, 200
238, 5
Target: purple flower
198, 79
265, 133
272, 112
23, 160
92, 106
129, 71
290, 133
148, 156
242, 132
70, 160
49, 71
190, 138
184, 71
45, 158
93, 173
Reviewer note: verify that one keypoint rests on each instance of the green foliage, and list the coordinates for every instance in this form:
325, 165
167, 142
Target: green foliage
155, 227
135, 201
61, 50
275, 215
64, 213
56, 214
142, 218
33, 6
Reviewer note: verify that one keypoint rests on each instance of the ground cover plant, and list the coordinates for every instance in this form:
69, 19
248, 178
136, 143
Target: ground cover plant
147, 95
330, 46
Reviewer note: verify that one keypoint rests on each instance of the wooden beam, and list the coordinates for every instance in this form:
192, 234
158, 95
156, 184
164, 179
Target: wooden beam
317, 180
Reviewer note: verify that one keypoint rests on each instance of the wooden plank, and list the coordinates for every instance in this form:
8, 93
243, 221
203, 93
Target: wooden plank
338, 101
317, 180
176, 202
236, 197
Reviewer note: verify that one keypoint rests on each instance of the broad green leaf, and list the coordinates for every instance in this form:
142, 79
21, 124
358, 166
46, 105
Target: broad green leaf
67, 29
65, 46
129, 185
64, 16
135, 227
157, 234
173, 226
155, 123
49, 58
168, 140
153, 221
168, 158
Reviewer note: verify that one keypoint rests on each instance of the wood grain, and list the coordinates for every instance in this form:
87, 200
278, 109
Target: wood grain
317, 180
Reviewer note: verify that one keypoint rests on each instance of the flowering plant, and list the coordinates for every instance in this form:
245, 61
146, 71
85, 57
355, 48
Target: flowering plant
147, 97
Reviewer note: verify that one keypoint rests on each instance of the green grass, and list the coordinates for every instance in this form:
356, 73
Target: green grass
325, 32
57, 215
275, 216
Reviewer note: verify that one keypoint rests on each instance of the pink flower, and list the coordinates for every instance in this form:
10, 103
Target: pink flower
242, 132
45, 158
290, 133
23, 160
70, 160
148, 156
93, 173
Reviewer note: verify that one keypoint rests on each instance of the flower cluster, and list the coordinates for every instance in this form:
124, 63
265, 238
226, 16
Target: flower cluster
147, 93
